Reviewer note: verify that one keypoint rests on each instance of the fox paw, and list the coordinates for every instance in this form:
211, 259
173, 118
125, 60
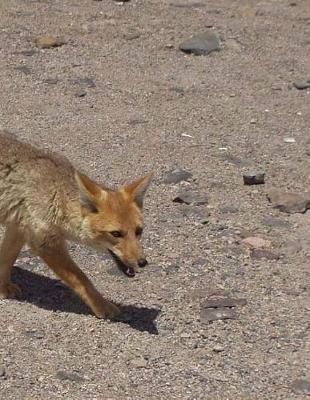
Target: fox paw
107, 310
9, 290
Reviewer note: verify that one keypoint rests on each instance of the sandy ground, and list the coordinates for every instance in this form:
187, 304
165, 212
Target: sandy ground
120, 99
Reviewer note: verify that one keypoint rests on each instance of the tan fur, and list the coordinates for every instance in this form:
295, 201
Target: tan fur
44, 202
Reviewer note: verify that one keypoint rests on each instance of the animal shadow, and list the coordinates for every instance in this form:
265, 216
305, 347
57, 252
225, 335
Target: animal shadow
51, 294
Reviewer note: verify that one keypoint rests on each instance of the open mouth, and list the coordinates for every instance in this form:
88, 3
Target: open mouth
126, 269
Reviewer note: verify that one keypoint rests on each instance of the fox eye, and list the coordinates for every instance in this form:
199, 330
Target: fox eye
139, 231
116, 234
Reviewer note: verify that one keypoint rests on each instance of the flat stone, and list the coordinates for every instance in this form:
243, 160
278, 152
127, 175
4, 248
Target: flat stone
202, 44
131, 35
199, 214
256, 242
80, 93
177, 175
237, 161
172, 269
26, 13
301, 386
276, 222
292, 247
234, 45
224, 302
139, 362
47, 42
229, 209
51, 81
191, 197
88, 82
214, 314
28, 53
137, 121
33, 334
24, 69
188, 3
302, 84
261, 254
69, 376
178, 89
289, 202
254, 178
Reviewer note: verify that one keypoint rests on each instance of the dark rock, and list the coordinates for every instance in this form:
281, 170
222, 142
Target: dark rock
302, 84
177, 175
214, 314
254, 178
224, 302
191, 197
301, 386
24, 69
69, 376
202, 44
289, 202
88, 82
261, 254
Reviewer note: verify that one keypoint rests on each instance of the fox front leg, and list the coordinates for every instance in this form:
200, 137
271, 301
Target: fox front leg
59, 260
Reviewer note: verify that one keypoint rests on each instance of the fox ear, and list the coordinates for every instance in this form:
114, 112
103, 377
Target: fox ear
90, 192
137, 189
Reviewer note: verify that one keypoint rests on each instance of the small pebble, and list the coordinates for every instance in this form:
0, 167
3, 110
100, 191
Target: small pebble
302, 84
256, 242
139, 362
218, 349
2, 371
46, 42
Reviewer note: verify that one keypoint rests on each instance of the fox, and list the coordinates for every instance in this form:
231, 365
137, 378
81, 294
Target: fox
45, 202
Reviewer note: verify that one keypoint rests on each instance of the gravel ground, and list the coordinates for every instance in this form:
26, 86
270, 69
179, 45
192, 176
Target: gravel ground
119, 99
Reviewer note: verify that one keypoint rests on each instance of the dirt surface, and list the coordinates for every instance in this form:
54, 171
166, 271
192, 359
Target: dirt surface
119, 99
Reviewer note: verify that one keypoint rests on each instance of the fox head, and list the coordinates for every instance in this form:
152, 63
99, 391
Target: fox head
113, 220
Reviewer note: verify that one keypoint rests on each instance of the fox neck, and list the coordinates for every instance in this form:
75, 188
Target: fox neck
76, 227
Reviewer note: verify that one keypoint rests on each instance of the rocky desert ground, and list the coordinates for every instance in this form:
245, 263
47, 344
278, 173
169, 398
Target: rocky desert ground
222, 310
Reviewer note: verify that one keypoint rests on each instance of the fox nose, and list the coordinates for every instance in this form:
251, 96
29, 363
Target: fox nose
142, 262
